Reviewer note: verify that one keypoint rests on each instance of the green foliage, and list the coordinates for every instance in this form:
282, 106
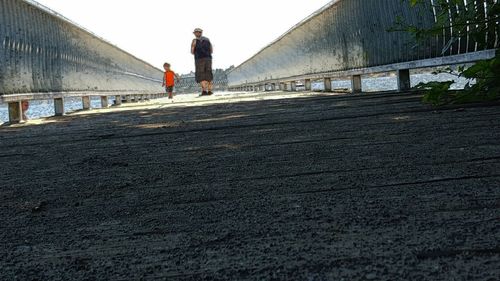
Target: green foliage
483, 85
466, 20
436, 92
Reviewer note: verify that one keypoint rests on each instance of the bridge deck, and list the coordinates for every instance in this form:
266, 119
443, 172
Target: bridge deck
374, 186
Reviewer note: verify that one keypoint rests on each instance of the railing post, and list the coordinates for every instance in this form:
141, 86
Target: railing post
356, 83
104, 101
293, 86
118, 100
59, 106
273, 86
307, 84
328, 84
86, 102
15, 112
404, 83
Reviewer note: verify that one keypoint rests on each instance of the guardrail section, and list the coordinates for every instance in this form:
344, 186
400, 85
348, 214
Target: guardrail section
41, 51
347, 35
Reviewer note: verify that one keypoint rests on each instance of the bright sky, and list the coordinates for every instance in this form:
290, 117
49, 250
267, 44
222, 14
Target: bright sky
159, 31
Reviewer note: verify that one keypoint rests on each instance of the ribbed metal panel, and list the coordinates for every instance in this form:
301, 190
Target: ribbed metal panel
346, 35
40, 51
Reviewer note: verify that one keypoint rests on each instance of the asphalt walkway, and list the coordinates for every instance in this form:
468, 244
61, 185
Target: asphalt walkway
257, 186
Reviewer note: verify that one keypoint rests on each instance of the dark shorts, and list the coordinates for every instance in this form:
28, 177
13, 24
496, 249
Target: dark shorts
204, 70
169, 89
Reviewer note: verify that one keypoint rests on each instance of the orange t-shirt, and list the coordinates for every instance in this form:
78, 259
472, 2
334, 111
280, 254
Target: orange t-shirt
169, 78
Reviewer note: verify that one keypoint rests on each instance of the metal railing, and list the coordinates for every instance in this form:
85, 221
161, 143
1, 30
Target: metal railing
43, 52
187, 84
350, 38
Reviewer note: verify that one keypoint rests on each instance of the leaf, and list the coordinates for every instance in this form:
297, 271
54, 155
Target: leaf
436, 92
467, 18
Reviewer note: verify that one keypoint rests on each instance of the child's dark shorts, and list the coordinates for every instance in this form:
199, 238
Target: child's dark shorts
169, 89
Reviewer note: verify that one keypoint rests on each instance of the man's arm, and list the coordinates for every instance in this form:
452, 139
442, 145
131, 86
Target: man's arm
193, 45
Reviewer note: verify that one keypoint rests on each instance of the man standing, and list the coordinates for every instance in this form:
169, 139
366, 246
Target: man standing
202, 50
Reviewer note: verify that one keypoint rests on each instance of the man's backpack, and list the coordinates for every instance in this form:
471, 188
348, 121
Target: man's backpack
203, 47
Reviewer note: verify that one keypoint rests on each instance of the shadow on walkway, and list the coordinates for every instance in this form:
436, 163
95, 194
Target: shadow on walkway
307, 188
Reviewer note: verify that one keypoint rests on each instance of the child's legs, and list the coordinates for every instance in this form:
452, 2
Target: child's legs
170, 90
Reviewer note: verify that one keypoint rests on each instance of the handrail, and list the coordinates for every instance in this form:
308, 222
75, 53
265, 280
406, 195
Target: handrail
42, 51
350, 37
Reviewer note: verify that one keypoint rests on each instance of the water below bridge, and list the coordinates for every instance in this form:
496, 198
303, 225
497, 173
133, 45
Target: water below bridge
45, 108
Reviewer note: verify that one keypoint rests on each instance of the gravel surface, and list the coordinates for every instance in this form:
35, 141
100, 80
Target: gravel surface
271, 187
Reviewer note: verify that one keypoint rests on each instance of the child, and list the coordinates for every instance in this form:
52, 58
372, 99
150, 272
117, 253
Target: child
169, 80
25, 106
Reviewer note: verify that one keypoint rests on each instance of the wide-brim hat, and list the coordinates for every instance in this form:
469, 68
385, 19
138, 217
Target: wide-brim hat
198, 30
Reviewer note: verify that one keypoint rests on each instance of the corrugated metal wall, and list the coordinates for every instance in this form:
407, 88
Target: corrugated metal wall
43, 52
351, 34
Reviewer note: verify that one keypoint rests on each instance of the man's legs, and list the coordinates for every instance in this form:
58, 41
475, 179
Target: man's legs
204, 86
204, 73
210, 75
